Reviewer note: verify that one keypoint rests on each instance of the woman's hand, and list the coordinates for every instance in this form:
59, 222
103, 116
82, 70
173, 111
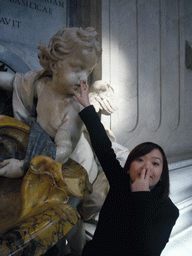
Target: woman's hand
83, 96
142, 183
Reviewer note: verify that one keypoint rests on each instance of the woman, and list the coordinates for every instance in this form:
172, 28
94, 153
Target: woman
137, 216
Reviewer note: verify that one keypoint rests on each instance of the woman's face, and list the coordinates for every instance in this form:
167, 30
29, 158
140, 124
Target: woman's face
152, 162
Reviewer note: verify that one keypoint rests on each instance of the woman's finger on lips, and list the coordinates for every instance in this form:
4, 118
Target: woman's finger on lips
143, 173
147, 175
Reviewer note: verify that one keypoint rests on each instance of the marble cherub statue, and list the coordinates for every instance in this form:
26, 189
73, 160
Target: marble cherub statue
47, 97
69, 58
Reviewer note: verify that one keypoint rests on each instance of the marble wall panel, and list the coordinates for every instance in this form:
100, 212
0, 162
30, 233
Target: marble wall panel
144, 59
149, 64
170, 63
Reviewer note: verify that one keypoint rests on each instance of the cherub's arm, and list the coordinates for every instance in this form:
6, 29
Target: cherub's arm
6, 81
68, 135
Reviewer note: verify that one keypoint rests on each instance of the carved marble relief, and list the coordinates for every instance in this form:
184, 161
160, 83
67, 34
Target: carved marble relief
144, 60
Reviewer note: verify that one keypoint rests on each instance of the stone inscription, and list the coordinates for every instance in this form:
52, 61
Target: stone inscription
11, 22
36, 6
27, 3
29, 22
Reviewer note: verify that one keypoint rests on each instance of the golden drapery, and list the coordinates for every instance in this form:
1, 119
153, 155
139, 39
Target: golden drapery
34, 211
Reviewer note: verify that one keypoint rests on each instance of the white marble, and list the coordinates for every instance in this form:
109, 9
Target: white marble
144, 60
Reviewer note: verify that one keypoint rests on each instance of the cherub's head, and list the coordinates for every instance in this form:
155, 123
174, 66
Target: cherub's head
70, 57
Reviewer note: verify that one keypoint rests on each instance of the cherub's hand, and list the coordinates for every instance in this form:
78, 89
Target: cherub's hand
12, 168
83, 96
142, 183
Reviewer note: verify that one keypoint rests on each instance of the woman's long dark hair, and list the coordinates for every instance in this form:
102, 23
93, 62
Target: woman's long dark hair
143, 149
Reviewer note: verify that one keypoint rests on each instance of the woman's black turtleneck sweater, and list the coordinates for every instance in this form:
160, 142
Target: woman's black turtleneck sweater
130, 223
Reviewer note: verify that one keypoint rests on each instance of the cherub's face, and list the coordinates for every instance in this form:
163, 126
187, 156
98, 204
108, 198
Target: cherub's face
75, 68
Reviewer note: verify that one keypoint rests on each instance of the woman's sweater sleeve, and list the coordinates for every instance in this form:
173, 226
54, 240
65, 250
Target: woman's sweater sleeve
101, 143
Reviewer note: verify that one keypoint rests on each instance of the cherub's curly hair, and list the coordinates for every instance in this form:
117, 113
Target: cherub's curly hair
65, 41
